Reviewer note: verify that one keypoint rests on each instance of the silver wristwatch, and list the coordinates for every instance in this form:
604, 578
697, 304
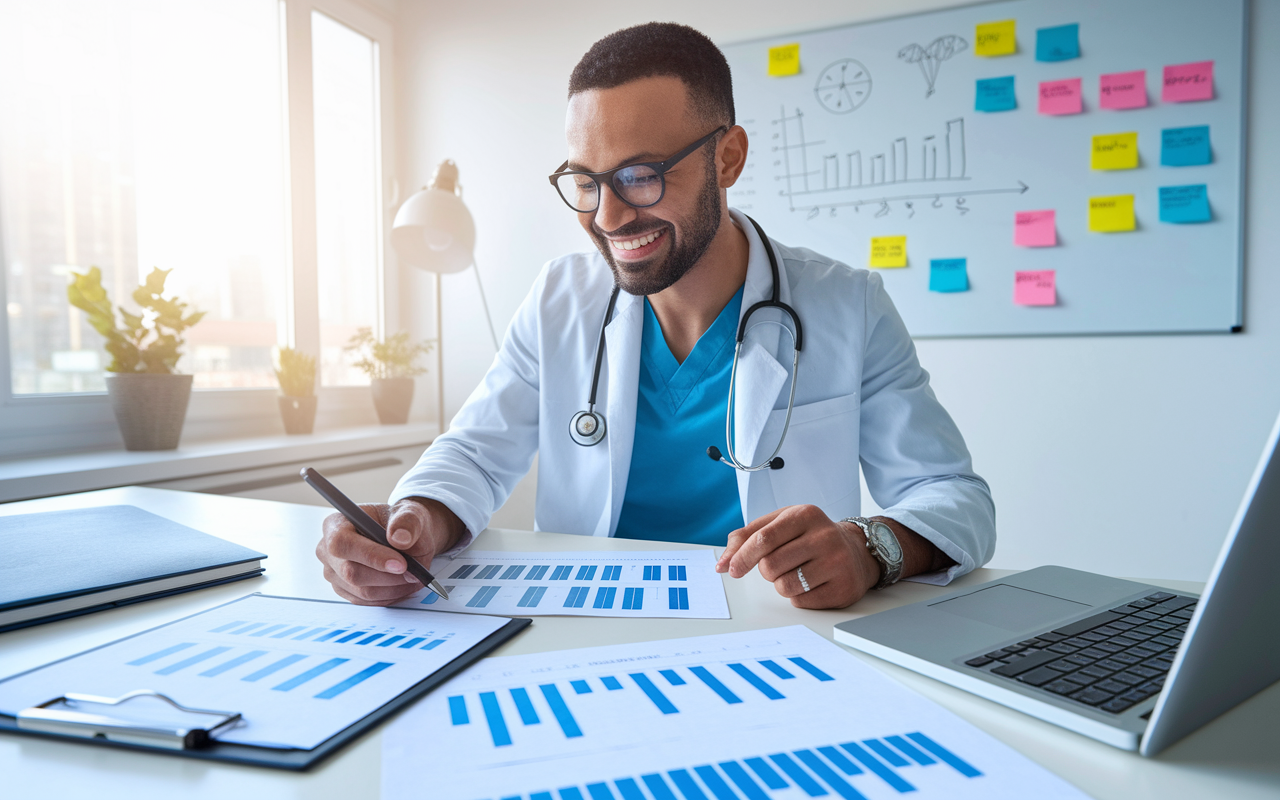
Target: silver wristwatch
883, 544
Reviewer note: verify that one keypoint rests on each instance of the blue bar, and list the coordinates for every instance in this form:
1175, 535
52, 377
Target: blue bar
297, 681
431, 598
488, 572
678, 598
581, 687
562, 572
881, 749
512, 572
308, 634
687, 786
168, 651
289, 632
351, 636
715, 783
911, 750
273, 667
829, 775
233, 663
716, 686
655, 694
463, 571
493, 714
532, 596
570, 793
525, 706
801, 778
631, 790
540, 796
767, 774
658, 787
364, 674
604, 597
633, 598
458, 710
611, 683
743, 780
676, 573
372, 638
226, 627
330, 635
773, 667
196, 659
811, 669
567, 723
412, 642
389, 642
753, 679
652, 573
836, 757
433, 644
872, 763
249, 627
672, 677
536, 573
599, 791
265, 631
483, 597
586, 573
944, 755
577, 597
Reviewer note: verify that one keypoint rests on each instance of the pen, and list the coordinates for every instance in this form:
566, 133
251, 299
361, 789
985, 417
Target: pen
367, 526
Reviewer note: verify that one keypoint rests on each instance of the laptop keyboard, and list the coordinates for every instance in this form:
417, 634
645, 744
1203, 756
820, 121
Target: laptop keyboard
1109, 661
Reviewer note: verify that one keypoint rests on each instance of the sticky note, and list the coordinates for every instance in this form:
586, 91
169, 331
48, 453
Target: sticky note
1185, 147
1112, 214
1180, 204
1061, 43
996, 38
1184, 83
784, 60
948, 275
1035, 229
1061, 97
888, 251
1115, 151
995, 94
1121, 90
1035, 288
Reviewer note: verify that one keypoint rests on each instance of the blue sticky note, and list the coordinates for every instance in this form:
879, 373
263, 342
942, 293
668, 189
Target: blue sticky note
995, 94
948, 275
1058, 44
1185, 147
1181, 204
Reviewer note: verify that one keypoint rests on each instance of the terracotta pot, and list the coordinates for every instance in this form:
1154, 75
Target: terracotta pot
150, 408
298, 413
392, 398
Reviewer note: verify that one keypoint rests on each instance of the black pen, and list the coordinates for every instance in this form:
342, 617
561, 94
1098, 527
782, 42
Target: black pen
367, 526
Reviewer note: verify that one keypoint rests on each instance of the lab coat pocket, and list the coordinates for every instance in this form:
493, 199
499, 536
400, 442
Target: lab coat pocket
820, 453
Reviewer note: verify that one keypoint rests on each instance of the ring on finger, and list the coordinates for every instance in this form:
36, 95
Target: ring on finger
800, 574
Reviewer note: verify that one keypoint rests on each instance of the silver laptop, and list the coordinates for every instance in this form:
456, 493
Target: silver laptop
1128, 664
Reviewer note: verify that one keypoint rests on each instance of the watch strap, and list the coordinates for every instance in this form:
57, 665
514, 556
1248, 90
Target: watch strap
890, 571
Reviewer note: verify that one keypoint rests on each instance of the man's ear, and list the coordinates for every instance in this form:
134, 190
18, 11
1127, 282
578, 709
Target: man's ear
731, 156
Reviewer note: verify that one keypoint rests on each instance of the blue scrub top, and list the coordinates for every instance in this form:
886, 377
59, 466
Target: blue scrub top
675, 493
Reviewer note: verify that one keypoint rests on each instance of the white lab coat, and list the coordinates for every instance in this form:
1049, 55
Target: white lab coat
862, 396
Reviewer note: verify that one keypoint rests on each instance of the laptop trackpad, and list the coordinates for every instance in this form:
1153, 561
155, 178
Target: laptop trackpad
1011, 608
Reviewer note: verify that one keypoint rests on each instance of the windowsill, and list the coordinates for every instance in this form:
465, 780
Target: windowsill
27, 478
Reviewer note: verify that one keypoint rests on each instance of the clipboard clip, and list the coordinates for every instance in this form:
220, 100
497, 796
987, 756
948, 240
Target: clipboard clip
65, 716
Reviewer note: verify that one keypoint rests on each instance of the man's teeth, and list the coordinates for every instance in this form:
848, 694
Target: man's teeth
634, 243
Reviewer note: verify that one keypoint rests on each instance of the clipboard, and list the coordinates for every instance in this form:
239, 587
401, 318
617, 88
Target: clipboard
88, 719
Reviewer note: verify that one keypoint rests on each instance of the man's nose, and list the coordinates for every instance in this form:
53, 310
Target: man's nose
612, 213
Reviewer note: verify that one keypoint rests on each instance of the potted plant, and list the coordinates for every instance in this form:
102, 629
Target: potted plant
391, 366
296, 372
147, 397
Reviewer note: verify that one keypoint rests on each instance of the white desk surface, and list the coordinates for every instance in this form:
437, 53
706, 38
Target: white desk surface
1237, 756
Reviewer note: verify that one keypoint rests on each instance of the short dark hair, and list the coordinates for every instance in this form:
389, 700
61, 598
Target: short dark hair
657, 49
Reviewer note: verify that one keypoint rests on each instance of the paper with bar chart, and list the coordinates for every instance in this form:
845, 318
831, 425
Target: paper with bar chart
298, 670
636, 583
779, 714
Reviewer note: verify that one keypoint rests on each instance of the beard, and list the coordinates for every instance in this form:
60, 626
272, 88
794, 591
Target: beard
650, 277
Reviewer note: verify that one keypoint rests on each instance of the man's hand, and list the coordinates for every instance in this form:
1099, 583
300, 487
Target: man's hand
368, 574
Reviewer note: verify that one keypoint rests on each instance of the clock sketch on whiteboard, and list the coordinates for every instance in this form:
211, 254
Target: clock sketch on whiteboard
843, 86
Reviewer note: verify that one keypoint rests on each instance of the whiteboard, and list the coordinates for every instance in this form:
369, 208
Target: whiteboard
863, 143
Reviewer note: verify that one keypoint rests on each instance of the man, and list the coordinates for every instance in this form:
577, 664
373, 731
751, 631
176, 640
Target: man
652, 150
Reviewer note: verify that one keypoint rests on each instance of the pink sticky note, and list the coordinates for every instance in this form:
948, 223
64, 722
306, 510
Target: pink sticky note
1035, 288
1060, 97
1035, 229
1187, 82
1123, 89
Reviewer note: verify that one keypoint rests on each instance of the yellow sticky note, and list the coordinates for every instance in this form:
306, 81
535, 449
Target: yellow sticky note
996, 38
888, 251
1115, 151
1112, 214
784, 60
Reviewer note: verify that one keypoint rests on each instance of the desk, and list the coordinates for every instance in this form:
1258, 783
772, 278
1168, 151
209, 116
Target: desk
1237, 756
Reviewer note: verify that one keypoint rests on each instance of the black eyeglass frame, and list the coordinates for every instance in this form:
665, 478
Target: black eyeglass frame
606, 178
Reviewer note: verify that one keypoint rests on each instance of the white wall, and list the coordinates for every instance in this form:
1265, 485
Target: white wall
1122, 455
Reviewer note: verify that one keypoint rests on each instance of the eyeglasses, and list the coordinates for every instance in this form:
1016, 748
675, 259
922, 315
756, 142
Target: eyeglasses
637, 185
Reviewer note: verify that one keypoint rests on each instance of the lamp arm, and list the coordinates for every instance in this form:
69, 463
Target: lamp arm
485, 303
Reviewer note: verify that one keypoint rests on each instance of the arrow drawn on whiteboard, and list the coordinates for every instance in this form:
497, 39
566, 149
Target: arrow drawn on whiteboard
883, 202
930, 58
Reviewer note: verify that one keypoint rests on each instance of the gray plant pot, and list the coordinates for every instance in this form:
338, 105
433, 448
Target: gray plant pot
298, 413
392, 398
149, 408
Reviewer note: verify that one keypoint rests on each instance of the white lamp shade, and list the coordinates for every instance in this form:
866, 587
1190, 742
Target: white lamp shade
433, 231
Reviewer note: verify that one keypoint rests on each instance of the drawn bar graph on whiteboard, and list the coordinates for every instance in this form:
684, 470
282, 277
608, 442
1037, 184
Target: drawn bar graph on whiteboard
778, 714
637, 583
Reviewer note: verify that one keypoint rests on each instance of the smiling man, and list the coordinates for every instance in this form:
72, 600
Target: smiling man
623, 371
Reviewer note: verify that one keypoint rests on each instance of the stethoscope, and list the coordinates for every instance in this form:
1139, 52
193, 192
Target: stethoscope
587, 428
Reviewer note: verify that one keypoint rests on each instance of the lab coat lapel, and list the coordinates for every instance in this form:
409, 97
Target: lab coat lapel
622, 386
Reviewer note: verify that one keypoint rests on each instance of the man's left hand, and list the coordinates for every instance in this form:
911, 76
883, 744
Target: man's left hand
834, 557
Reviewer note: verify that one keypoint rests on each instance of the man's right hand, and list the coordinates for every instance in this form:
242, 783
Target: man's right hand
368, 574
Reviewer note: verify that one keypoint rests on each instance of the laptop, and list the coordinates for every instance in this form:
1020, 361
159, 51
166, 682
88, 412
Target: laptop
1128, 664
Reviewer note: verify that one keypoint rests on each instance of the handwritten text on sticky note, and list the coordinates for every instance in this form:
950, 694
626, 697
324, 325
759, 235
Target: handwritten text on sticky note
1121, 90
1035, 288
1185, 147
1113, 214
888, 251
1183, 204
1115, 151
1035, 229
1061, 97
1184, 83
784, 60
1058, 44
948, 275
996, 38
995, 94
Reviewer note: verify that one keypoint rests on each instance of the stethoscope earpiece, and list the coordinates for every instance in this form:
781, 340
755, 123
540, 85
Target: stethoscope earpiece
587, 428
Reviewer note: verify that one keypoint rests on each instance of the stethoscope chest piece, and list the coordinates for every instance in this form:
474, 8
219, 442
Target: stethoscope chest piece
587, 428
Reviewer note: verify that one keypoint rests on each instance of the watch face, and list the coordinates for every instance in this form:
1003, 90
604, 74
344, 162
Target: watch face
886, 542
